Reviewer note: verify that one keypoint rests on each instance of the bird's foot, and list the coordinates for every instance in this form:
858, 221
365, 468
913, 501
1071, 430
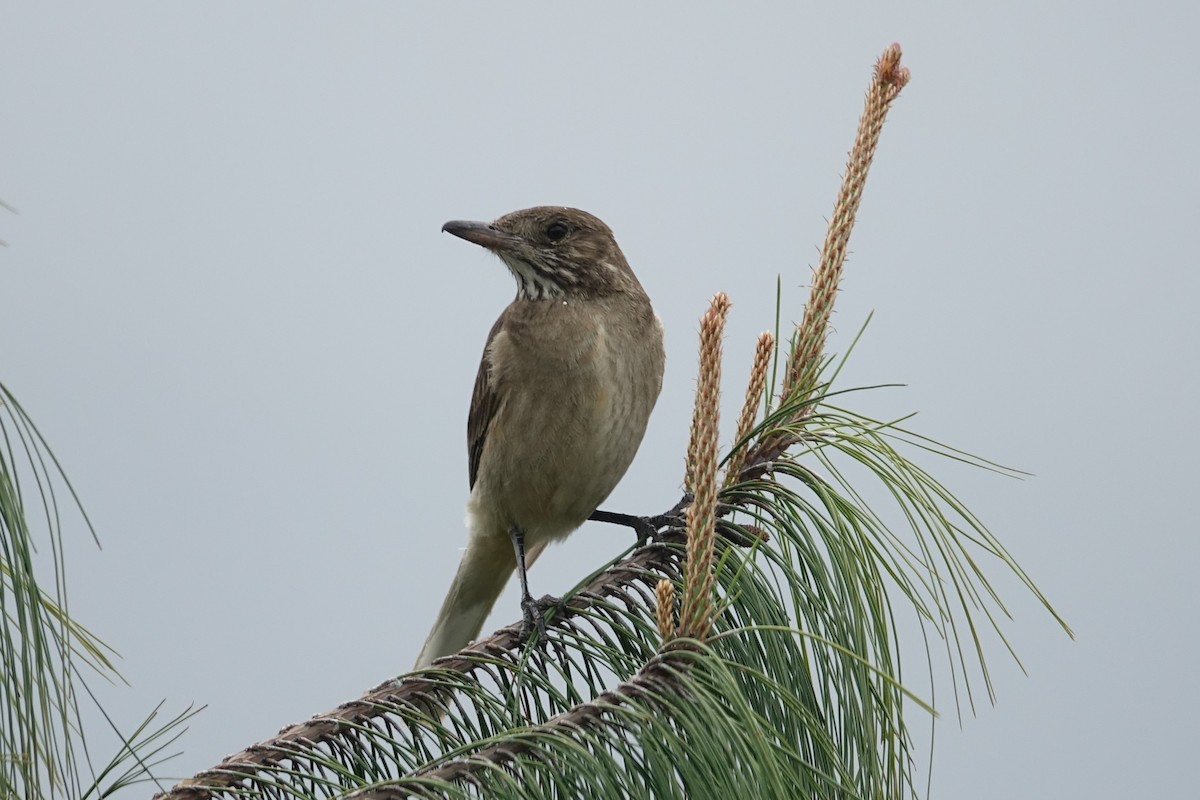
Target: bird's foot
533, 614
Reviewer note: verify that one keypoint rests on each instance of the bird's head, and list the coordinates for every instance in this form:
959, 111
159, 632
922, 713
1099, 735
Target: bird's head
553, 251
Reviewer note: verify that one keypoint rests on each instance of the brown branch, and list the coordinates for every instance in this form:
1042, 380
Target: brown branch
658, 674
754, 397
664, 609
804, 363
889, 79
696, 607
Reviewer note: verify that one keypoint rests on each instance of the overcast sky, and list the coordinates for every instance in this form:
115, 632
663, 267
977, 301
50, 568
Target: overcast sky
227, 303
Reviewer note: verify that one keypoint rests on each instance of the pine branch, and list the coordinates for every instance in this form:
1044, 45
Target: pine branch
814, 703
630, 582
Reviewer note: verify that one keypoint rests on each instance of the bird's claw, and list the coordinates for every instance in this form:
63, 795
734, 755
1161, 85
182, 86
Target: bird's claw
533, 613
650, 529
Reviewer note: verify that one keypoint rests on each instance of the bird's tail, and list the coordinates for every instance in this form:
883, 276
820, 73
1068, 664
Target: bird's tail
486, 566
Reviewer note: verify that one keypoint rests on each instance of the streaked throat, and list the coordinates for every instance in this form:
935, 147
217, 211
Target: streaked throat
532, 282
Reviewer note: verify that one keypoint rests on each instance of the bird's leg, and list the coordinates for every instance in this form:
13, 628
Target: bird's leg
531, 610
642, 526
646, 528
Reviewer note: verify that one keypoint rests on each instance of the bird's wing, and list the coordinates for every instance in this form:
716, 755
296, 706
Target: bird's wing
484, 402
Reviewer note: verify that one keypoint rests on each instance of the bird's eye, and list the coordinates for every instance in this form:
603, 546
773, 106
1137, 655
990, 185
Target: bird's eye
556, 230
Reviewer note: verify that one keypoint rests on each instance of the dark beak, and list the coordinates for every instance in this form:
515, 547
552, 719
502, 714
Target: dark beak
482, 234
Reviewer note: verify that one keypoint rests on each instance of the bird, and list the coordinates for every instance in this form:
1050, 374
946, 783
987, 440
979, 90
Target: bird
570, 373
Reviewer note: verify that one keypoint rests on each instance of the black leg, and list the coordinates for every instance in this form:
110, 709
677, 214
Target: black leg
646, 528
530, 609
642, 526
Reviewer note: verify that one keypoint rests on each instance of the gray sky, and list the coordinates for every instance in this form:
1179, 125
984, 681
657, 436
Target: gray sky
227, 302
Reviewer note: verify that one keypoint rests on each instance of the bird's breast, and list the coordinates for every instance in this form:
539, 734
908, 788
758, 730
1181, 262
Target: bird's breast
576, 387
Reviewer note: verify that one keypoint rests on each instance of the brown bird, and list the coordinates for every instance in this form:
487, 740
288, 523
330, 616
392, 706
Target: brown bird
569, 376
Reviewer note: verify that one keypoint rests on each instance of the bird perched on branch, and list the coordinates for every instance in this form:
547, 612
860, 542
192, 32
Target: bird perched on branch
570, 373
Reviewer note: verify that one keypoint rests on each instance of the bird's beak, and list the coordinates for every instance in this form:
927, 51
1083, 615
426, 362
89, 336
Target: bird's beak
482, 234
